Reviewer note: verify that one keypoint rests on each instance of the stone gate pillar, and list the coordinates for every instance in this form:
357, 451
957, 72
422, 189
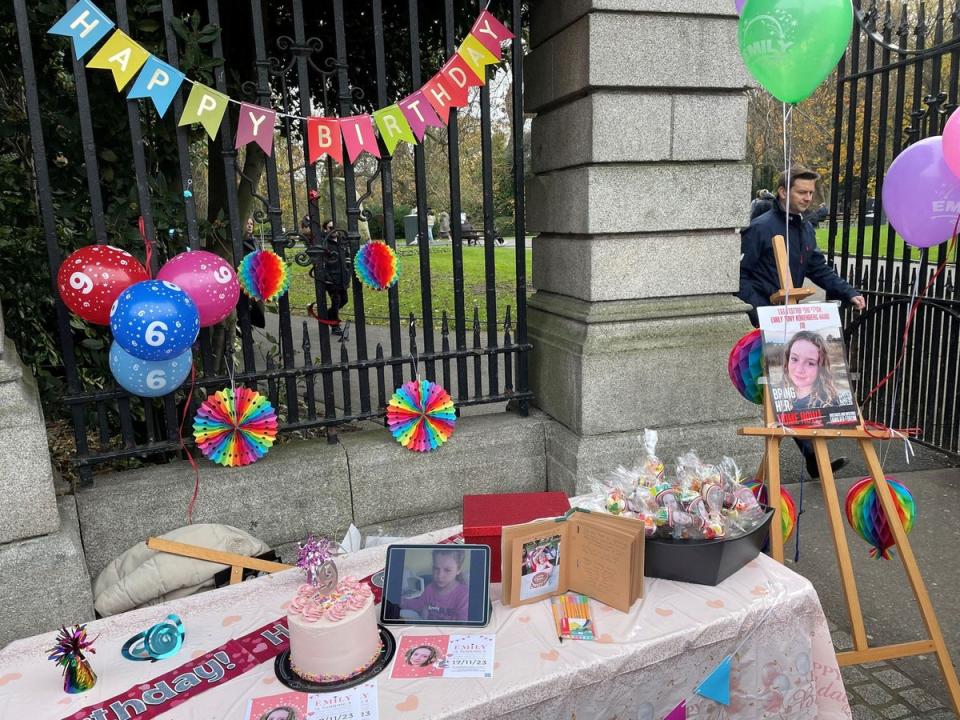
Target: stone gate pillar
638, 150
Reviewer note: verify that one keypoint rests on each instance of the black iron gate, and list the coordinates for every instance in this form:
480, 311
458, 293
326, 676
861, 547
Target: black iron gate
302, 62
897, 84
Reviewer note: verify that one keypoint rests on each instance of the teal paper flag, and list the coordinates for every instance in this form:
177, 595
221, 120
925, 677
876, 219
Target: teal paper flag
157, 81
85, 24
717, 684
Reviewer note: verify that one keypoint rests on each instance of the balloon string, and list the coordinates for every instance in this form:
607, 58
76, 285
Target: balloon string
183, 447
147, 246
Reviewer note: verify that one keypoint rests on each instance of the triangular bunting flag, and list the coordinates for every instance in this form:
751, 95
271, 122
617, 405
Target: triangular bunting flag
323, 138
716, 686
85, 24
419, 114
476, 56
491, 32
393, 127
679, 712
205, 106
359, 136
157, 81
462, 76
120, 55
255, 124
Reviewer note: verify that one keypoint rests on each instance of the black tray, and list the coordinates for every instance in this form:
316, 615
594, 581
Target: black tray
704, 562
288, 677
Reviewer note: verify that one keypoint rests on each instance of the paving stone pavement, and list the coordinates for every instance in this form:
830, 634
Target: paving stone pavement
905, 688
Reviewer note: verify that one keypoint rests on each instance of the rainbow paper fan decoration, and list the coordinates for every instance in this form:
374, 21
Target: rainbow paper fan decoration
745, 366
865, 514
235, 427
421, 415
788, 508
263, 275
377, 265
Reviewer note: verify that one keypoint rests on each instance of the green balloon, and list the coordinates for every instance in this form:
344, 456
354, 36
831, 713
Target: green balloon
791, 46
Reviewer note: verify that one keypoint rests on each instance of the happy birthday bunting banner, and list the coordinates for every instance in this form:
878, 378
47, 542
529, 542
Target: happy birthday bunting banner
85, 24
491, 33
679, 712
157, 81
419, 114
256, 125
205, 106
323, 138
476, 56
359, 136
122, 56
716, 686
393, 127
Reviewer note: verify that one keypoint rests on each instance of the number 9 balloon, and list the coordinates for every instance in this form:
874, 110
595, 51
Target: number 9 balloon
92, 278
208, 279
148, 378
791, 46
154, 320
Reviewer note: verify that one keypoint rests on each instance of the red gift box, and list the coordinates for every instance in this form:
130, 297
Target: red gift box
485, 515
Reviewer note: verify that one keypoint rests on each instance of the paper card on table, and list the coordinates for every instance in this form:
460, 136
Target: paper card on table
597, 555
356, 702
490, 32
446, 656
274, 707
85, 24
122, 56
157, 81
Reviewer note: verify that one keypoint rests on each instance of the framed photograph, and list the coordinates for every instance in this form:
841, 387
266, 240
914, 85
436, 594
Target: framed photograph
540, 568
806, 365
437, 585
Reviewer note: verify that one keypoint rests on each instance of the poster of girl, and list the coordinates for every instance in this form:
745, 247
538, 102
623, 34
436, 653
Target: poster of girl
540, 569
806, 366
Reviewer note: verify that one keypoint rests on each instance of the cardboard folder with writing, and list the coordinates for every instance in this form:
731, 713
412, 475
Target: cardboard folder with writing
590, 553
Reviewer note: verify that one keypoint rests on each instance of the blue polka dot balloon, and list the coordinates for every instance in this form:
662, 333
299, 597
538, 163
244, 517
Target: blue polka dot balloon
154, 320
149, 378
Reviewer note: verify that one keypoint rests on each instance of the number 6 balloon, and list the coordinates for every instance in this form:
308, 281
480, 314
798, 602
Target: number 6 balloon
154, 320
92, 278
148, 378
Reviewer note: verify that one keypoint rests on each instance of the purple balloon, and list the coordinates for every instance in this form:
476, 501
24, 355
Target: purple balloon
738, 4
921, 197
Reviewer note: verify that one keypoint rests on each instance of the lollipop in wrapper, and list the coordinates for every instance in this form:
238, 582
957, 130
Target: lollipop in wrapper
652, 470
616, 502
743, 510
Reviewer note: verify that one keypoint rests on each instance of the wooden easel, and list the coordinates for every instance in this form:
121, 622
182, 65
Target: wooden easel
770, 470
236, 562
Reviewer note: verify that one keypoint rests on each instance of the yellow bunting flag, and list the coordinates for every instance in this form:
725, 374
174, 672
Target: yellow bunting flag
393, 127
476, 56
121, 55
205, 106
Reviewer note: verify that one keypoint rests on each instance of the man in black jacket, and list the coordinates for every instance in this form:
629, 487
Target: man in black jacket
758, 268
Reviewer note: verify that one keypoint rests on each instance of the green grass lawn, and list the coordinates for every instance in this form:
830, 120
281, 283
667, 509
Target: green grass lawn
868, 243
441, 281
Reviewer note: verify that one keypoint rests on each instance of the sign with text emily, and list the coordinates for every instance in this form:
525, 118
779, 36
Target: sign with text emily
594, 554
444, 656
806, 366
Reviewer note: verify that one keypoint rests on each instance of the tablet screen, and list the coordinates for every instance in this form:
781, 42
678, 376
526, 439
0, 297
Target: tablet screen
437, 585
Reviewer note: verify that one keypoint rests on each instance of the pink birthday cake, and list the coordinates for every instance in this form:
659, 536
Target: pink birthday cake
333, 635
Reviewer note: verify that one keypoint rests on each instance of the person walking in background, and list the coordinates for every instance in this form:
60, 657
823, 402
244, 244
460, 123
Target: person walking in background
431, 221
758, 268
444, 225
815, 217
761, 203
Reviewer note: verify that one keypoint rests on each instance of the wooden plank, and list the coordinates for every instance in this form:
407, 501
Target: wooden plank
826, 433
927, 612
836, 517
236, 574
885, 652
215, 556
773, 498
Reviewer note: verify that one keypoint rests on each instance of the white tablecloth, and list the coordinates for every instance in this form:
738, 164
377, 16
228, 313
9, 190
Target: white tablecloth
646, 661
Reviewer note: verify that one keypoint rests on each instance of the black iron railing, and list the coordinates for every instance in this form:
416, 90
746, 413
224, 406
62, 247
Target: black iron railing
315, 379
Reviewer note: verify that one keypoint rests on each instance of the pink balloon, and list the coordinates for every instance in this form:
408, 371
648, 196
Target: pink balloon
921, 197
208, 279
951, 143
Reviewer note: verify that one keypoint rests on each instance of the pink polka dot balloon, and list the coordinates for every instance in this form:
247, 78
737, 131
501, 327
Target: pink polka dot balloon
92, 278
208, 279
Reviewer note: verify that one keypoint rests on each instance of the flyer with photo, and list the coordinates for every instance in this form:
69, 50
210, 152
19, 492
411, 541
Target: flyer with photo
540, 568
356, 703
806, 365
444, 656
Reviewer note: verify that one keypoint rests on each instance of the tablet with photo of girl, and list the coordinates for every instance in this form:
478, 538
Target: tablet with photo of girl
806, 365
437, 585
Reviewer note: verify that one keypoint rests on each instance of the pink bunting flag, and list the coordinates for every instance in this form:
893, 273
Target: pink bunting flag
679, 712
419, 114
490, 32
256, 125
323, 138
359, 136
